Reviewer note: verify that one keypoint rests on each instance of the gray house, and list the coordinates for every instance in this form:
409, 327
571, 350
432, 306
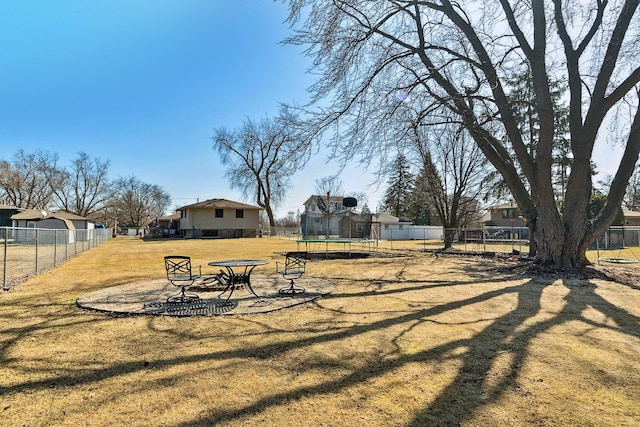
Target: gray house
6, 212
79, 227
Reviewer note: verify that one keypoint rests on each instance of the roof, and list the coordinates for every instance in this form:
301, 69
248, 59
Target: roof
36, 214
384, 217
219, 204
333, 199
509, 205
172, 217
627, 213
10, 208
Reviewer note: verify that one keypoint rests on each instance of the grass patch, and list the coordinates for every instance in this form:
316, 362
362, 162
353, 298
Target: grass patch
409, 341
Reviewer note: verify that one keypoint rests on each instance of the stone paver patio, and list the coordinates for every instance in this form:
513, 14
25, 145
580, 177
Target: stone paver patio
150, 297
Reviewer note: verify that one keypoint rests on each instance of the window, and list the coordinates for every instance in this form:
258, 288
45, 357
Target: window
505, 213
219, 213
239, 213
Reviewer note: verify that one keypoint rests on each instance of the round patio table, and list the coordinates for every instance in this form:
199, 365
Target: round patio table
240, 276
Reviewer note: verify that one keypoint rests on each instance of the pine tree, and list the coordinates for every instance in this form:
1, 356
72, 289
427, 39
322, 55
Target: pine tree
397, 198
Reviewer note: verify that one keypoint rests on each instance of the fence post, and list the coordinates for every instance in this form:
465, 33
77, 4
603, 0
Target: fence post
37, 241
4, 270
55, 247
484, 241
465, 238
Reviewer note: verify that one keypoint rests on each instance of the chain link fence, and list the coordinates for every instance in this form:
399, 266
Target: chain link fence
289, 233
490, 239
617, 243
30, 251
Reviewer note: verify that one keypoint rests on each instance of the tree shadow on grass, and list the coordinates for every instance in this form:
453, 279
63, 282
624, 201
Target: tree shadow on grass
470, 390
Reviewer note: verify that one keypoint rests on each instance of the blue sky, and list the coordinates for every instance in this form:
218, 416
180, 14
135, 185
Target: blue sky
144, 83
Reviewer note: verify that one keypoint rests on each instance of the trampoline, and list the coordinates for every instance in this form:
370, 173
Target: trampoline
618, 260
346, 244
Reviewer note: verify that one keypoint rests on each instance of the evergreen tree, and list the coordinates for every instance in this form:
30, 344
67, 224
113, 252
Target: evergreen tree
397, 198
422, 212
523, 106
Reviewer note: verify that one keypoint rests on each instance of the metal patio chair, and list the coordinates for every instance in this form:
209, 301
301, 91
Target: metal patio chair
181, 274
293, 268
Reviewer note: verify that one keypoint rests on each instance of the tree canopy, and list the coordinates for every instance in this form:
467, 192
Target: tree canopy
260, 157
454, 61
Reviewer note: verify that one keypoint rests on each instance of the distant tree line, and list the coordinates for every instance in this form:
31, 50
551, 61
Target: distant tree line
37, 181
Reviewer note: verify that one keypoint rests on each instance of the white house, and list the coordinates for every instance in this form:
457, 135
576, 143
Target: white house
322, 216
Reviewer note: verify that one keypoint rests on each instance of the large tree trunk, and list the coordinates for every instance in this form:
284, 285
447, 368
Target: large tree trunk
269, 211
559, 247
449, 234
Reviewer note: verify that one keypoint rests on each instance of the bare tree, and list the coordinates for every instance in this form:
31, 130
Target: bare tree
326, 188
374, 56
23, 181
84, 187
137, 203
261, 157
328, 185
451, 175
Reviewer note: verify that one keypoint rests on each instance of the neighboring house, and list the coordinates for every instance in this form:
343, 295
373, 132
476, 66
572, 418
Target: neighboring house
355, 226
630, 217
505, 215
165, 226
41, 219
6, 212
321, 217
170, 224
219, 218
389, 227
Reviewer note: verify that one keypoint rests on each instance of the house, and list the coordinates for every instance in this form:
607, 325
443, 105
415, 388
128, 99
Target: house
505, 215
170, 224
6, 212
355, 226
78, 226
630, 217
322, 216
219, 218
389, 227
165, 226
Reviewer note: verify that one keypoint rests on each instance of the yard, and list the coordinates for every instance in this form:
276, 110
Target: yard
403, 341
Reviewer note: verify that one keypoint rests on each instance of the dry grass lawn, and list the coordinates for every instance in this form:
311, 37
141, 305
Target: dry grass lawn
409, 341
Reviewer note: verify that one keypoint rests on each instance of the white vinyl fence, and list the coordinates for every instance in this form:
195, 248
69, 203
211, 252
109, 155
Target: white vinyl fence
29, 251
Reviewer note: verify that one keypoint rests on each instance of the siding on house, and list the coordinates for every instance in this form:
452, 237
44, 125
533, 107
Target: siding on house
219, 218
6, 212
316, 223
506, 215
